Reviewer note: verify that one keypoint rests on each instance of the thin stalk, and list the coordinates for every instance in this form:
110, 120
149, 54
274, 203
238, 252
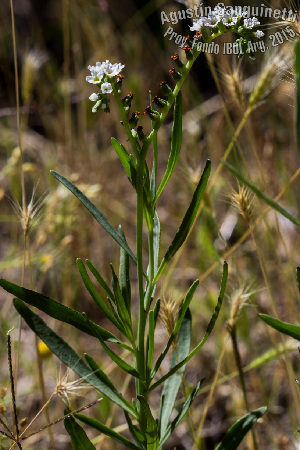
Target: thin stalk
12, 386
237, 357
210, 395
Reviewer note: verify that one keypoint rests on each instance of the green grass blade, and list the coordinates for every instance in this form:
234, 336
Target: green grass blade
105, 430
68, 355
172, 385
78, 436
137, 436
95, 295
56, 310
283, 327
99, 216
123, 155
180, 416
238, 431
121, 305
208, 332
188, 220
264, 197
297, 93
175, 144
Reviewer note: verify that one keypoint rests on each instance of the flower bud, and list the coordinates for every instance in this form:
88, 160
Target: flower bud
126, 101
165, 88
133, 121
188, 52
177, 60
160, 102
175, 75
154, 115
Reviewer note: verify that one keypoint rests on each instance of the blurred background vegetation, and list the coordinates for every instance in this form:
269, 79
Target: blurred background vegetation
56, 41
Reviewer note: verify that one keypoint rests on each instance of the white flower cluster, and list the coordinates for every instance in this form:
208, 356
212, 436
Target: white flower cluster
101, 74
228, 16
104, 70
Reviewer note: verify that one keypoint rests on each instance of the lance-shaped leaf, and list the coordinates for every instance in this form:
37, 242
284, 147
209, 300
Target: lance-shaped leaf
119, 361
151, 430
208, 331
150, 341
185, 304
264, 197
99, 278
175, 144
96, 296
124, 275
107, 431
121, 305
98, 372
137, 436
56, 310
187, 222
68, 356
123, 155
180, 416
172, 385
78, 436
99, 216
238, 431
283, 327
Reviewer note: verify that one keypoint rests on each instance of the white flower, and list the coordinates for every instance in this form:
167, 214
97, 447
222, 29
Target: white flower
95, 76
250, 23
259, 34
198, 24
111, 70
229, 20
93, 97
212, 20
106, 88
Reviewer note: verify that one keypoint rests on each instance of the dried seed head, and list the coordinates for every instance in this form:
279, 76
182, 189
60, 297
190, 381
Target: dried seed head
242, 201
29, 214
65, 388
168, 315
270, 76
233, 82
32, 62
238, 299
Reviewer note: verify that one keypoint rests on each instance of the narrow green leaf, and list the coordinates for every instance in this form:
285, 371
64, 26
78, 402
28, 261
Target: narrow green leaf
119, 361
180, 416
123, 155
99, 373
238, 431
175, 144
55, 310
156, 239
137, 436
184, 306
264, 197
151, 431
96, 296
297, 93
124, 275
283, 327
105, 430
150, 341
79, 439
208, 331
99, 278
172, 385
187, 222
121, 305
156, 310
68, 355
99, 216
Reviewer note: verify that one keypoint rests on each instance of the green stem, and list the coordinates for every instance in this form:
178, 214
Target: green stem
140, 355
